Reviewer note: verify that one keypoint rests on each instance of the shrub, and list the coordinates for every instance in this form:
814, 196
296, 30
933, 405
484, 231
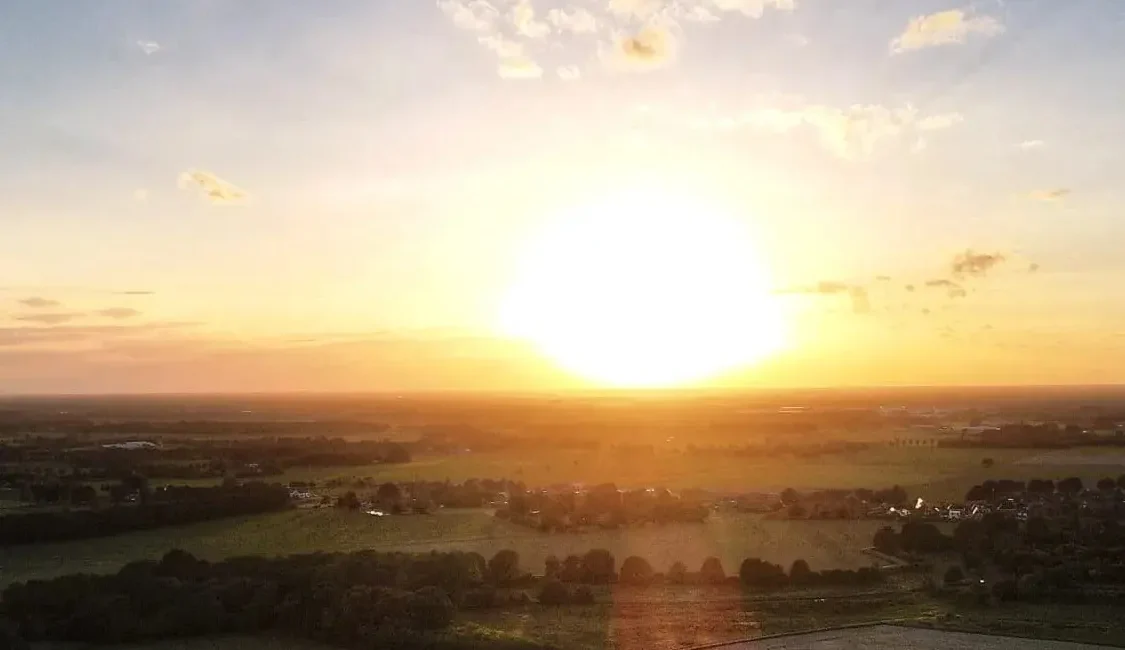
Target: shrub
430, 609
677, 573
598, 567
712, 571
554, 593
583, 595
954, 575
636, 571
504, 567
799, 572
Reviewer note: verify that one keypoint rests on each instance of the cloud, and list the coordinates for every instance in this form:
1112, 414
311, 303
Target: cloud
37, 302
883, 278
797, 40
215, 189
473, 15
753, 8
855, 132
1056, 194
823, 288
140, 195
974, 264
654, 46
57, 333
1033, 267
952, 289
149, 47
523, 19
503, 47
576, 21
949, 27
50, 318
134, 293
1031, 144
909, 288
118, 313
638, 9
518, 67
569, 72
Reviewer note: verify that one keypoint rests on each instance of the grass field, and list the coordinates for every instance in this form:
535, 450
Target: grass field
728, 536
935, 474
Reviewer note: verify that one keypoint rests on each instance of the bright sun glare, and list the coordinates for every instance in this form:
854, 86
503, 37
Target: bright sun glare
644, 290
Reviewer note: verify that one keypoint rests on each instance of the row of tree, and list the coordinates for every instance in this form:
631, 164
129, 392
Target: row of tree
165, 507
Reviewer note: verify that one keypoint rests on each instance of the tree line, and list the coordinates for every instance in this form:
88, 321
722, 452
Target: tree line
361, 599
165, 507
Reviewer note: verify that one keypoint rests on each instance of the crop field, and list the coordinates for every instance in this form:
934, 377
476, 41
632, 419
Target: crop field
932, 473
729, 536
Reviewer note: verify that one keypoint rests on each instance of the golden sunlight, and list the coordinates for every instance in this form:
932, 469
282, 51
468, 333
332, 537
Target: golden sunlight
644, 290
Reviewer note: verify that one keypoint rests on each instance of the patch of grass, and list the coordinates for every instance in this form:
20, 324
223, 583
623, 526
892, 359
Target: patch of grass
729, 536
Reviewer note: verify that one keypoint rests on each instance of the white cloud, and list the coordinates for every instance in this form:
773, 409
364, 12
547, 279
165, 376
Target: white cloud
569, 72
215, 189
473, 15
639, 9
1056, 194
504, 48
578, 20
149, 47
1027, 145
523, 19
652, 47
519, 67
855, 132
949, 27
797, 40
753, 8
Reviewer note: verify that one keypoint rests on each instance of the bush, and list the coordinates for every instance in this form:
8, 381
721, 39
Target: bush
583, 595
504, 567
598, 567
799, 572
677, 573
712, 571
430, 609
954, 575
635, 571
554, 593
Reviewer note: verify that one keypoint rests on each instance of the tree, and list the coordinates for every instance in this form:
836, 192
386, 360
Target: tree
635, 571
789, 496
1070, 486
712, 571
954, 576
754, 572
987, 463
430, 608
554, 593
1121, 481
388, 494
1038, 531
571, 569
552, 568
799, 572
886, 540
1106, 484
677, 573
504, 567
598, 567
348, 500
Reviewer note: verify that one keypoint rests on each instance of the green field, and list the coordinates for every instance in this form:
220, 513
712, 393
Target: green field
731, 537
935, 474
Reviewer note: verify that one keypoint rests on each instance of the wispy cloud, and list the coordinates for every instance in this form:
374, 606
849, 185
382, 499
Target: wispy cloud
974, 264
861, 302
526, 24
569, 72
855, 132
1033, 267
1056, 194
38, 302
1027, 145
118, 313
519, 67
472, 15
654, 46
576, 20
949, 27
149, 47
952, 289
49, 318
135, 292
858, 296
215, 189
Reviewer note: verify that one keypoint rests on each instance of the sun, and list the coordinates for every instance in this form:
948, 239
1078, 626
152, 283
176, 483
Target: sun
644, 289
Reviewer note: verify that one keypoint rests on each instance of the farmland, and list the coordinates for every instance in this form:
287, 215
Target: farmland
728, 536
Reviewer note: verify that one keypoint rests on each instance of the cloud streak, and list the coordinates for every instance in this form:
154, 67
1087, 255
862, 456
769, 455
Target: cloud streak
118, 313
214, 189
56, 318
37, 302
974, 264
952, 289
950, 27
1049, 196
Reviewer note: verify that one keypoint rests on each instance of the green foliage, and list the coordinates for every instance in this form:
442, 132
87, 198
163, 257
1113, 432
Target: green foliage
504, 567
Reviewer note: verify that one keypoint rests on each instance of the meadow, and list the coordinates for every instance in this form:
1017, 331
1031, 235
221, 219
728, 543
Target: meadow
731, 537
936, 474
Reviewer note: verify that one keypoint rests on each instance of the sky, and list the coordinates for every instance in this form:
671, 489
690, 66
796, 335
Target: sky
276, 195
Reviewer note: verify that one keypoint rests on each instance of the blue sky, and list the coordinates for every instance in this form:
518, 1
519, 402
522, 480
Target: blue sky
387, 167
